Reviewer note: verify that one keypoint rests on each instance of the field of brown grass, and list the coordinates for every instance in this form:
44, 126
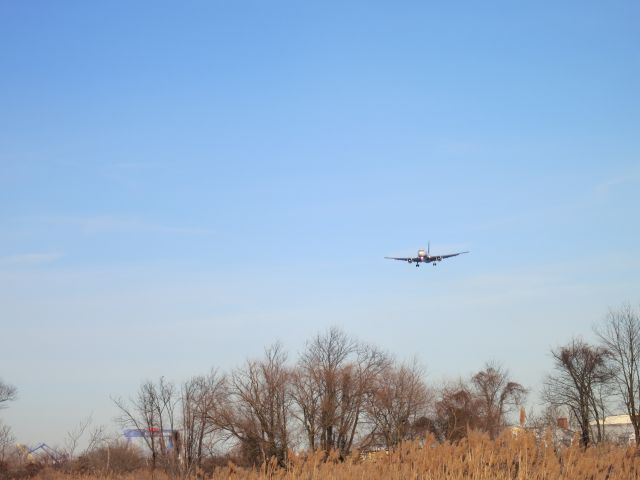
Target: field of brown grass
477, 457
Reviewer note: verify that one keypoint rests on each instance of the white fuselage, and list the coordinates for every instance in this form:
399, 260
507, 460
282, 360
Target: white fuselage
424, 257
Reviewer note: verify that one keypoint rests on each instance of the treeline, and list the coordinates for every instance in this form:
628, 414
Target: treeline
339, 395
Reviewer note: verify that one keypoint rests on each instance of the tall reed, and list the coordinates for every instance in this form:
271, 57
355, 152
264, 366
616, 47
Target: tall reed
520, 457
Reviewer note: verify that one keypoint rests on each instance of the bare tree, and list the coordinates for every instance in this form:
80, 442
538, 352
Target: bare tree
335, 375
497, 394
256, 411
167, 423
6, 440
399, 399
152, 413
457, 412
620, 336
306, 394
98, 437
74, 435
316, 386
8, 393
201, 400
369, 364
580, 384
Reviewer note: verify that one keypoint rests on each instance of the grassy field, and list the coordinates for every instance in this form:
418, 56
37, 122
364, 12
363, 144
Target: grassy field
477, 457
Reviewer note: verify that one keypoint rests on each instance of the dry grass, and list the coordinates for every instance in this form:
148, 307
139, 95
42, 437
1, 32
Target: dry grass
477, 457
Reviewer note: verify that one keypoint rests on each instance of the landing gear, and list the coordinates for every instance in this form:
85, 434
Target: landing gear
417, 264
435, 263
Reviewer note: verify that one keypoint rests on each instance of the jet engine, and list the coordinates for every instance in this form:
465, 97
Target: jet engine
439, 259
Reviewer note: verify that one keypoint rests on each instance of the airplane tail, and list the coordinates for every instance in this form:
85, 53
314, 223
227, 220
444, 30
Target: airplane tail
428, 248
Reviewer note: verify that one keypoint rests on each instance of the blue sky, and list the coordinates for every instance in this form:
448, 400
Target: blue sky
181, 185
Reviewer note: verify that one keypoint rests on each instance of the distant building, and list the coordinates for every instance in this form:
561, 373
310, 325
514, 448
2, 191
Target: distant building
563, 434
617, 429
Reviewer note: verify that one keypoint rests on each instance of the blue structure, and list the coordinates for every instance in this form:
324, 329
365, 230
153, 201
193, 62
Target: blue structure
55, 456
151, 432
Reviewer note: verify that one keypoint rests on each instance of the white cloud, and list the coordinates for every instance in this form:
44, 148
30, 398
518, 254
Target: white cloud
106, 223
29, 259
603, 189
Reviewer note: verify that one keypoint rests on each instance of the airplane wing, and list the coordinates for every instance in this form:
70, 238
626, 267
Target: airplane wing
403, 259
451, 254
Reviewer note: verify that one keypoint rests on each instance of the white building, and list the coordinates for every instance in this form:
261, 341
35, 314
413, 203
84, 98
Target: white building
618, 429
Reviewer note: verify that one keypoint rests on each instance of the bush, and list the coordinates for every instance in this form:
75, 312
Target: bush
116, 458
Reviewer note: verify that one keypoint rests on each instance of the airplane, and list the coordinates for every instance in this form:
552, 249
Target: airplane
425, 257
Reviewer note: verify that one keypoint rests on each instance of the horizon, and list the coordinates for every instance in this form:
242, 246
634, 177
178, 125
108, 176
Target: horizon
182, 186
